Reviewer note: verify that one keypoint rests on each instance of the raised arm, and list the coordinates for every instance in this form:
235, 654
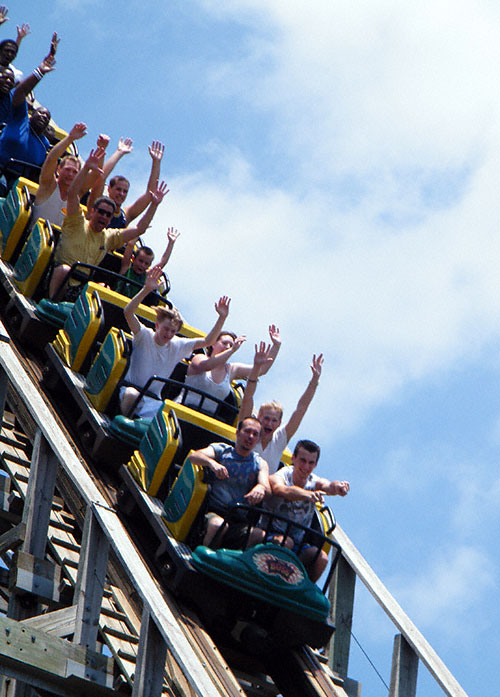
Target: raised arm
202, 364
222, 310
92, 164
4, 11
153, 276
306, 399
127, 255
172, 236
156, 197
274, 335
124, 147
261, 358
156, 150
25, 87
47, 181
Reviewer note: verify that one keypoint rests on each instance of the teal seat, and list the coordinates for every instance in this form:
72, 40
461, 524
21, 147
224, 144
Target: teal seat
152, 463
76, 340
14, 218
33, 262
184, 502
129, 430
108, 368
55, 314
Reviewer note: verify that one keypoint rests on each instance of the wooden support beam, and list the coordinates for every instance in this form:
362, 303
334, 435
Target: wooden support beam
151, 657
4, 382
392, 609
39, 496
13, 537
90, 581
404, 669
4, 490
59, 623
39, 577
50, 663
342, 600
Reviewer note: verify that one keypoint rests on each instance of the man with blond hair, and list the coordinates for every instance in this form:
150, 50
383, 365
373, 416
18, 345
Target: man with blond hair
274, 437
58, 172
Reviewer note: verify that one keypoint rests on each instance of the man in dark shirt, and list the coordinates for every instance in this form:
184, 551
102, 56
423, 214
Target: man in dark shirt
23, 136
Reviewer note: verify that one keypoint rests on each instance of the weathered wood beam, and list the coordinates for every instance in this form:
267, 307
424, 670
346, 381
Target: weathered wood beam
393, 610
151, 657
59, 623
342, 599
13, 538
4, 381
90, 581
39, 496
404, 669
50, 663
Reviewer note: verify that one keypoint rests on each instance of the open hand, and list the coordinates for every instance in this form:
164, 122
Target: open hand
159, 193
222, 306
125, 145
156, 150
78, 131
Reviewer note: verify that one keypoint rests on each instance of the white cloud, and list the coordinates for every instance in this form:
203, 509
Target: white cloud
386, 307
447, 589
381, 248
358, 85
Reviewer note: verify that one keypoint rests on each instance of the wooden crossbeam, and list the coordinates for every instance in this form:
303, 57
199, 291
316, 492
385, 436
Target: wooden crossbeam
50, 663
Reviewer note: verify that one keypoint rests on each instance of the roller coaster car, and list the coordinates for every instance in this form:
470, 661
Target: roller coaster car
91, 394
258, 599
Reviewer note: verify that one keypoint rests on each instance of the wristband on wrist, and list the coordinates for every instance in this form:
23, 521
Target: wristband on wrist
38, 74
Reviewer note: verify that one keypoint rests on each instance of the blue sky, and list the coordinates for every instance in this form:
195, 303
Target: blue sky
333, 168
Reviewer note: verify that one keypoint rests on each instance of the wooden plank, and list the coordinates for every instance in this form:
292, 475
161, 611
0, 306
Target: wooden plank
59, 623
45, 659
342, 601
150, 669
39, 496
90, 581
404, 669
12, 538
417, 641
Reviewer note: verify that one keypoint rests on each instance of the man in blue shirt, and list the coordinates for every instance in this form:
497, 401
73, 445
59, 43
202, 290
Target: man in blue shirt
240, 475
23, 136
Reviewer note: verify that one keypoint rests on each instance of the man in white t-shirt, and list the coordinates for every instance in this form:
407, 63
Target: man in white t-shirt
296, 490
274, 437
158, 352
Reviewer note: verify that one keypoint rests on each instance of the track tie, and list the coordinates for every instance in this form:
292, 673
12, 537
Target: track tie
130, 638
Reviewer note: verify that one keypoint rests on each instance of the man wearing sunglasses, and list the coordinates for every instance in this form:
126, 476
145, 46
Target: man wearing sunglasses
88, 241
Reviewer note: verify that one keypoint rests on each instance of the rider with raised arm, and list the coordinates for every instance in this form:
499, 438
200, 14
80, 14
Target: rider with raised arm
275, 437
158, 352
213, 373
119, 186
58, 173
87, 241
136, 262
